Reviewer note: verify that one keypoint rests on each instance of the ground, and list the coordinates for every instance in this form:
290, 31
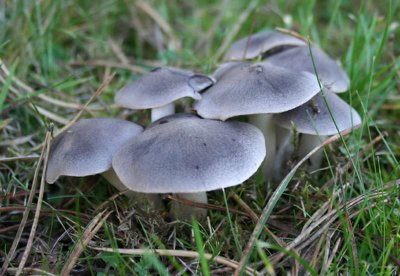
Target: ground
55, 55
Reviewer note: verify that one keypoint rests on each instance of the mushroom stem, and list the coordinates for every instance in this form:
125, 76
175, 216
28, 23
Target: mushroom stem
141, 199
265, 124
184, 212
288, 147
162, 111
307, 143
285, 147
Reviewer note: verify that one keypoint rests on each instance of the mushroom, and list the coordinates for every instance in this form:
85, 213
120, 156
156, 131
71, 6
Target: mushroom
313, 121
260, 90
187, 155
261, 43
86, 148
160, 88
329, 71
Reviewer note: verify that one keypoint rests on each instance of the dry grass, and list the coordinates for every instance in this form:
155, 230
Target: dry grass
61, 60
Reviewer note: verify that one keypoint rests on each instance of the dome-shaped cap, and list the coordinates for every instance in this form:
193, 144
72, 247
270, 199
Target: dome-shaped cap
243, 89
183, 153
255, 45
87, 147
314, 118
329, 71
162, 86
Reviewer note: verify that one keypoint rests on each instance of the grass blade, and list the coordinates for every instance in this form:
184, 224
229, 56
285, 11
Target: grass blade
200, 248
274, 200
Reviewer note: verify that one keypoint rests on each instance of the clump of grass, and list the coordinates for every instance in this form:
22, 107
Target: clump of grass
344, 218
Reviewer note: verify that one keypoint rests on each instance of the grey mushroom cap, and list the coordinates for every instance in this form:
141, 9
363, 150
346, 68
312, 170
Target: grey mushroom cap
255, 45
225, 67
244, 89
314, 117
162, 86
183, 153
329, 71
87, 147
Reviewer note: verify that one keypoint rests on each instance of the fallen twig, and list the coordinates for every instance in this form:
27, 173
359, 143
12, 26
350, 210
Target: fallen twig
176, 253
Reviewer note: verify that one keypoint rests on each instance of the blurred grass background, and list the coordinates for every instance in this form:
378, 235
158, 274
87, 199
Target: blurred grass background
59, 52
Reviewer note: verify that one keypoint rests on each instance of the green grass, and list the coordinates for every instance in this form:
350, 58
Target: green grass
64, 50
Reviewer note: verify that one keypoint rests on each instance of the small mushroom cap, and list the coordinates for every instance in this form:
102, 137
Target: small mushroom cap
329, 71
87, 147
243, 89
314, 117
183, 153
255, 45
162, 86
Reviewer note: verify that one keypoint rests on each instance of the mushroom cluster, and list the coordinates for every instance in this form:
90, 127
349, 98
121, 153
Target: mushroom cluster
268, 77
284, 84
